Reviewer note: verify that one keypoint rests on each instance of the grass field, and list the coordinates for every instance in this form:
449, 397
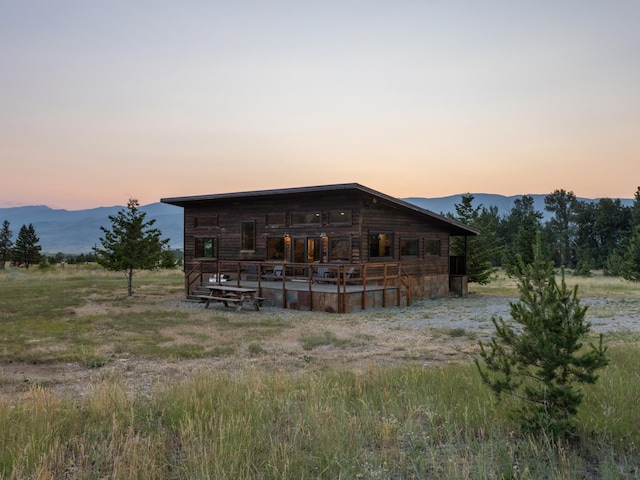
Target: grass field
96, 385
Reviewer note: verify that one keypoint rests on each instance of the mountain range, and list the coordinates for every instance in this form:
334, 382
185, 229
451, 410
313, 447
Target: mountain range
78, 231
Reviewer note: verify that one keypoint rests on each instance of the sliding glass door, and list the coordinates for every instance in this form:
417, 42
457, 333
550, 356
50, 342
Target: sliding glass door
305, 250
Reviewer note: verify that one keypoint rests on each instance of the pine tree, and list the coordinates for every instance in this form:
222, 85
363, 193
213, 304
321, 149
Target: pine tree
630, 268
562, 204
541, 359
6, 244
635, 209
167, 259
630, 265
26, 250
520, 228
480, 251
131, 244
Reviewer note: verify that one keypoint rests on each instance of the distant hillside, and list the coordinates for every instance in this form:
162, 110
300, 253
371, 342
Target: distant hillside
78, 231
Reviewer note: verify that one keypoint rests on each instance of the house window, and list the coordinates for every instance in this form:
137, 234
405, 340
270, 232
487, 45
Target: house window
206, 221
248, 235
432, 246
339, 250
275, 248
206, 247
339, 217
380, 245
306, 218
409, 247
277, 219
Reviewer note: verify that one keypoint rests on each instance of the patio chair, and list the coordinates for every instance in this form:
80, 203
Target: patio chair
251, 272
276, 274
323, 272
349, 273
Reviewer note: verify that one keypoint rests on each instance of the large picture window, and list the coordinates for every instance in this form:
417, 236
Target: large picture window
306, 218
277, 219
339, 217
206, 247
206, 221
275, 248
339, 250
380, 245
432, 246
409, 247
248, 236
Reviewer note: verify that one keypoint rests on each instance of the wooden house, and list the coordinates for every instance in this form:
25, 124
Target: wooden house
340, 247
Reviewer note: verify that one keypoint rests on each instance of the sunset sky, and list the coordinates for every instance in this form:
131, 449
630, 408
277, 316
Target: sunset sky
102, 101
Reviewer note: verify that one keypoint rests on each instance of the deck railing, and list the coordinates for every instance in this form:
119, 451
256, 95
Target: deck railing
385, 274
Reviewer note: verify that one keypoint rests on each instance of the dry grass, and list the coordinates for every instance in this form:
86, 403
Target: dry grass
597, 285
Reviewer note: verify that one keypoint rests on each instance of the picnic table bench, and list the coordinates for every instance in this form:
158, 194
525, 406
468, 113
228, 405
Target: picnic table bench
228, 295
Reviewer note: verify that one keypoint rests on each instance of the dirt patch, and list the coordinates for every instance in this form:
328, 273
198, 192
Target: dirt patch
92, 307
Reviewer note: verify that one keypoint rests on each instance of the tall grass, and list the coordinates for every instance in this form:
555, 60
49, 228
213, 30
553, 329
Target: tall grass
401, 422
596, 286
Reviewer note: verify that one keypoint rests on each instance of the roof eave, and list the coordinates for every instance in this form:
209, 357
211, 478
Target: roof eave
458, 228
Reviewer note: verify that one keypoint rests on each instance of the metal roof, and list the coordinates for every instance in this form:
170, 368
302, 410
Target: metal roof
457, 228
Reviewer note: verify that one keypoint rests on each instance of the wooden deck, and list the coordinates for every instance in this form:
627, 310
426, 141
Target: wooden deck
345, 289
300, 295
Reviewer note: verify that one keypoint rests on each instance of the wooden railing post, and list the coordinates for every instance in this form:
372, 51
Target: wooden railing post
390, 274
363, 267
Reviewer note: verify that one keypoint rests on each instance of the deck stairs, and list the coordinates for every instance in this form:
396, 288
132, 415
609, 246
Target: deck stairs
195, 294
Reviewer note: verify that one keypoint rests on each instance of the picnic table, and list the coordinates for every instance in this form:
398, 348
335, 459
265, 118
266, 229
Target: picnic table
232, 296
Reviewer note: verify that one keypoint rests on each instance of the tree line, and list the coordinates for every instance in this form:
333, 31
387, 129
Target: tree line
25, 251
580, 235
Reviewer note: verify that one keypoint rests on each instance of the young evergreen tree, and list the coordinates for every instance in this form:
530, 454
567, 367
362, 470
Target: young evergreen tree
541, 359
6, 243
613, 228
168, 259
482, 250
563, 205
630, 267
131, 244
26, 250
635, 209
586, 246
520, 228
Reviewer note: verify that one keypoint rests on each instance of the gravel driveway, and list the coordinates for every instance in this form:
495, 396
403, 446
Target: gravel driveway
473, 313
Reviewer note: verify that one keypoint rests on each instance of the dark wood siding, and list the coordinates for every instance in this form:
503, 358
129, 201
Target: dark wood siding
378, 217
368, 215
231, 214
